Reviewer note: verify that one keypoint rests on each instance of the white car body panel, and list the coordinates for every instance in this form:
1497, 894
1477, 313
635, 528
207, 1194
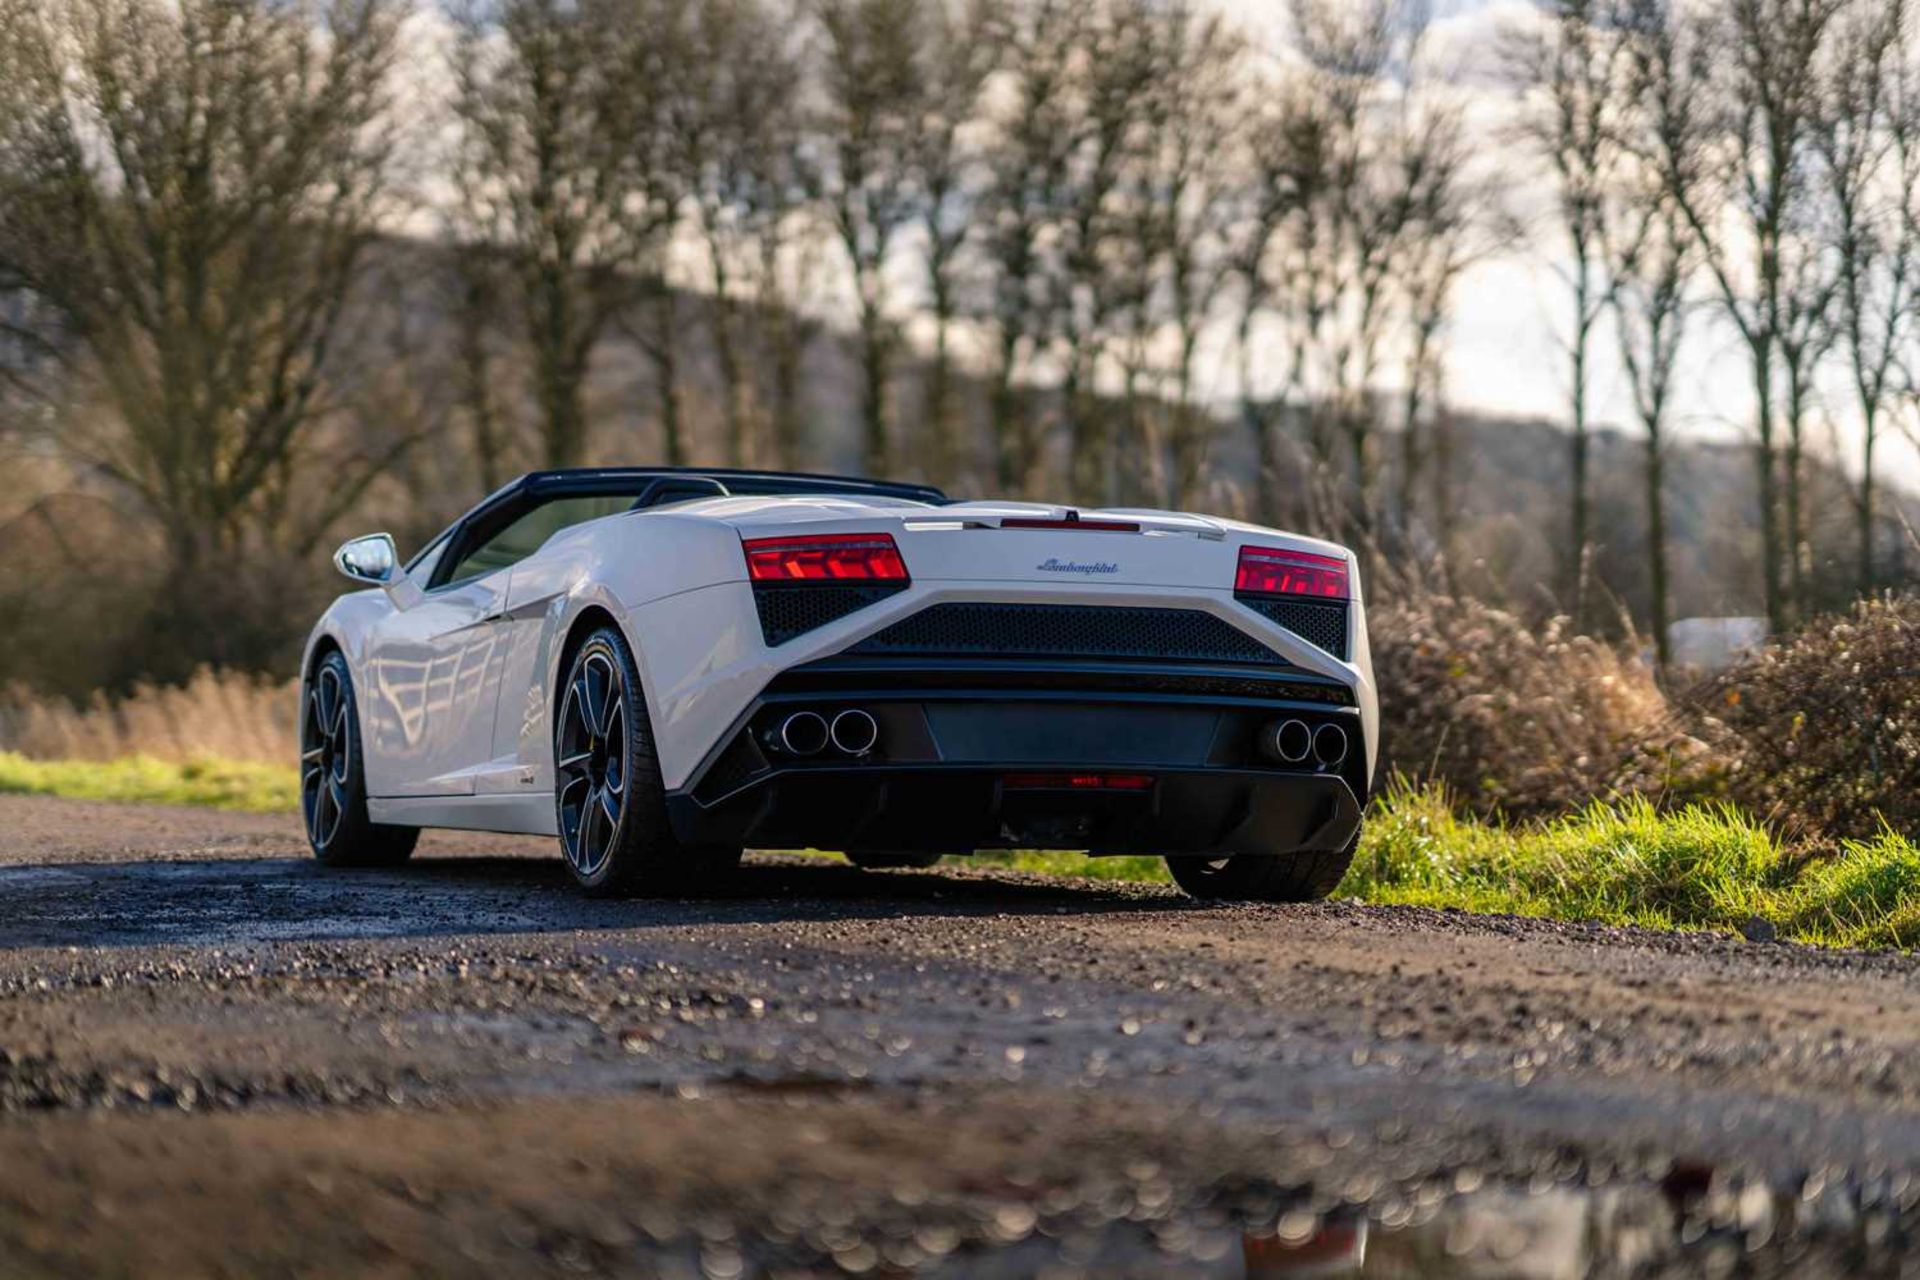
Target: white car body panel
455, 684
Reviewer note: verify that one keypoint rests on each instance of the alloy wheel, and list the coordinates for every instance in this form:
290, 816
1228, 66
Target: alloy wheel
325, 758
591, 762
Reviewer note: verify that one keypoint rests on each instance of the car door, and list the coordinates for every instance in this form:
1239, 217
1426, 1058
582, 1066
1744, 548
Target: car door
432, 685
434, 669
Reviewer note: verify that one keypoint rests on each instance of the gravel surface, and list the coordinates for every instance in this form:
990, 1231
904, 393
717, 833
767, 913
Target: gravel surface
217, 1058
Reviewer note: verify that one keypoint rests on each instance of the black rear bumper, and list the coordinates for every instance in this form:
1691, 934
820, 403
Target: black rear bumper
964, 765
960, 808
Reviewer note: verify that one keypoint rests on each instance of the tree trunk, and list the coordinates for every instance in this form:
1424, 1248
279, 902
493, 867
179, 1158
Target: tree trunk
1769, 487
1085, 443
877, 459
477, 385
559, 369
1579, 444
1253, 415
1796, 516
786, 398
665, 350
1870, 429
940, 430
1009, 432
726, 351
1657, 539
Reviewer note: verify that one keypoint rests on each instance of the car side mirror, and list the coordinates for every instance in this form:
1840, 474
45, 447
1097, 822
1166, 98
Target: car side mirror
372, 560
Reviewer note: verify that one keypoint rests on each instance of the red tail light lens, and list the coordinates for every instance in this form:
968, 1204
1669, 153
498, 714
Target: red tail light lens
1268, 571
825, 557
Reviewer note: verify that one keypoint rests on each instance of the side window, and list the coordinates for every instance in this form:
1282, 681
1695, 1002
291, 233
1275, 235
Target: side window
530, 532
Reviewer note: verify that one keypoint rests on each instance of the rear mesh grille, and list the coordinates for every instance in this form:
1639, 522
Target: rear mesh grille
1315, 621
1090, 631
786, 612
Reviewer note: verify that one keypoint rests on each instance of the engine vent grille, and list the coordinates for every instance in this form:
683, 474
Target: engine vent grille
788, 611
1318, 622
1089, 631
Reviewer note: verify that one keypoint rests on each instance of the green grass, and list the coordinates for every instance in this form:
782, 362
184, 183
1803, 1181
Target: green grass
1701, 867
218, 784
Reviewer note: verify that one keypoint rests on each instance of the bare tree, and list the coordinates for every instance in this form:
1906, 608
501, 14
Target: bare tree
1449, 215
1734, 146
874, 104
558, 133
728, 105
1568, 63
963, 41
790, 266
1201, 70
1283, 167
1869, 136
1651, 259
1359, 63
1117, 84
188, 188
1034, 134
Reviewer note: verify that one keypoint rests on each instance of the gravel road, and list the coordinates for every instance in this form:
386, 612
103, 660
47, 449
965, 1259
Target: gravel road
218, 1059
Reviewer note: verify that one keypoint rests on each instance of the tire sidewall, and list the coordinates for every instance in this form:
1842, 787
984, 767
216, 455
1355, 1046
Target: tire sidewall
641, 771
353, 822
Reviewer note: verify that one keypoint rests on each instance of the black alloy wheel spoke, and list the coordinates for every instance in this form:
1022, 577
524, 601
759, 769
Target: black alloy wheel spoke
590, 763
325, 758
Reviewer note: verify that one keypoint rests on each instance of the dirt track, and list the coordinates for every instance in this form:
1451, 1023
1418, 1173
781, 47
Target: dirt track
216, 1058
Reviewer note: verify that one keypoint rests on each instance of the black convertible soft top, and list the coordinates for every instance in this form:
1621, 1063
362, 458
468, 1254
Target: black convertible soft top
684, 482
650, 487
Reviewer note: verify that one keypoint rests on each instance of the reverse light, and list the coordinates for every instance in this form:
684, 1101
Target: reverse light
825, 557
1269, 571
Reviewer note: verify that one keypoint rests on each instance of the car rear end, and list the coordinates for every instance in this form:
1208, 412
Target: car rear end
1006, 676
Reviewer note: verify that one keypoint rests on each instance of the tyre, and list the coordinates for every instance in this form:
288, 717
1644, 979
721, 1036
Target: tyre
607, 794
885, 860
333, 783
1299, 877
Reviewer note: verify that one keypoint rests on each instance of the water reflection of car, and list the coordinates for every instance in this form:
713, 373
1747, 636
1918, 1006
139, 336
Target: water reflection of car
660, 667
1336, 1246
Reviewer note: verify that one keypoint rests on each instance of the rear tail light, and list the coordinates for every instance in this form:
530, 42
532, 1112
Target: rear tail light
825, 557
1078, 782
1268, 571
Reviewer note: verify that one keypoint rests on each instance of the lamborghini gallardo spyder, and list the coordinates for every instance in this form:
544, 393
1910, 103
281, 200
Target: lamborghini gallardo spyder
660, 667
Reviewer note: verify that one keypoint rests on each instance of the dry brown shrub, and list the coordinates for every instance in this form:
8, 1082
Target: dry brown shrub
1512, 718
216, 714
1823, 730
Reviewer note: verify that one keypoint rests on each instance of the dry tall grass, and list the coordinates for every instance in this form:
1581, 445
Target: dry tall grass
1511, 718
215, 715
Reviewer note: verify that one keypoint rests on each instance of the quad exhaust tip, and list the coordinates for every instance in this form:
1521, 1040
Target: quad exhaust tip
1296, 742
1289, 741
854, 732
804, 733
1329, 745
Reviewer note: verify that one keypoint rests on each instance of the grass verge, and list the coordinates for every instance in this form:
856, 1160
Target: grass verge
218, 784
1701, 867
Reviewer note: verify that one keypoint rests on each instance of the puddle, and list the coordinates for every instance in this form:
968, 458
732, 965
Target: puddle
1495, 1233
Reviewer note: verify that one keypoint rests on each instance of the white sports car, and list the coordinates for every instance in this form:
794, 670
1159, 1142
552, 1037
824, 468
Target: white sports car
664, 666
